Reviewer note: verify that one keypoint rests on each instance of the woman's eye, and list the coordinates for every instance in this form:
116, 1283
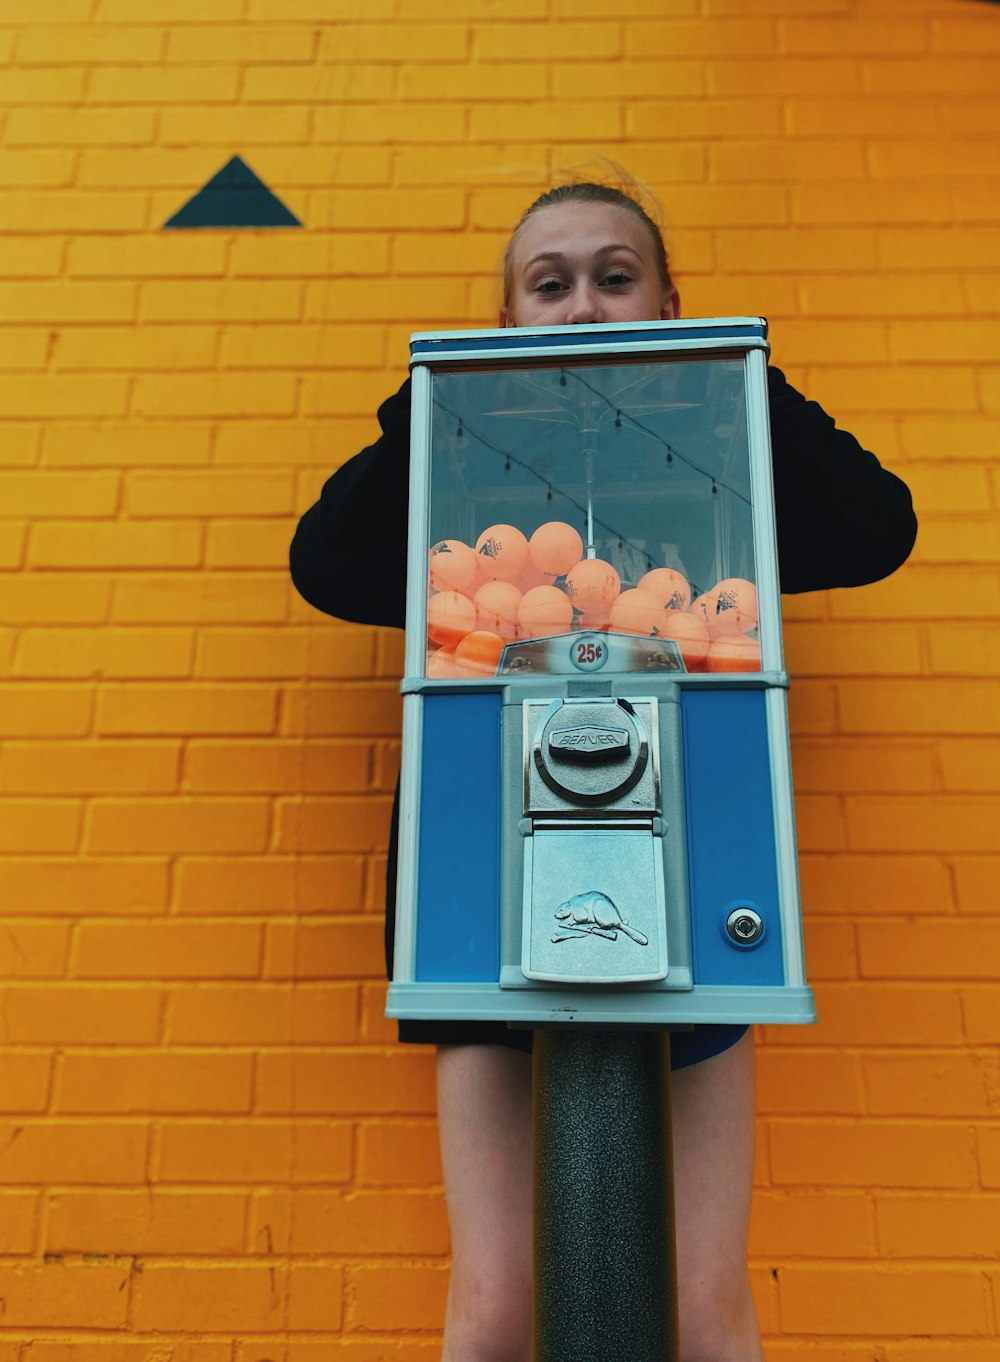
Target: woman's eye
618, 277
548, 286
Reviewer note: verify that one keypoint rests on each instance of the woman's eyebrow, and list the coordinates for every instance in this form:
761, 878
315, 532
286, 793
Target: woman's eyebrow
559, 256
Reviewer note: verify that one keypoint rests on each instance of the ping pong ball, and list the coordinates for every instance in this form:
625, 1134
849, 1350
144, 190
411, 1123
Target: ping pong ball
496, 608
635, 612
441, 665
669, 587
544, 610
478, 654
729, 608
503, 551
450, 616
592, 582
733, 653
452, 566
690, 633
555, 547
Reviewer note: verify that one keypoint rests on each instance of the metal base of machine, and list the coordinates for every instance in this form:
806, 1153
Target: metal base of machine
605, 1266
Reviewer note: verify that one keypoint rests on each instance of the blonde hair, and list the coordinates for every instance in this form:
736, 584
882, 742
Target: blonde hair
589, 191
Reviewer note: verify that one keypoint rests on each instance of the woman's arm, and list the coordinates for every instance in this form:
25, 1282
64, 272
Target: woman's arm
842, 519
348, 557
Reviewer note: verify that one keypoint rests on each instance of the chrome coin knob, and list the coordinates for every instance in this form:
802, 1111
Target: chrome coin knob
744, 926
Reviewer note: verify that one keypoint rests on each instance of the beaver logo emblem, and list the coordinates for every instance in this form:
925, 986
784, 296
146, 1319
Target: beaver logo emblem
593, 914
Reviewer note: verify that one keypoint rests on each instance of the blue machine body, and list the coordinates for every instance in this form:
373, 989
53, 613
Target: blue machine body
596, 824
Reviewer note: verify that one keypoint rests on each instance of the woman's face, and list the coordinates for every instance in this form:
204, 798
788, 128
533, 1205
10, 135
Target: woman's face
575, 263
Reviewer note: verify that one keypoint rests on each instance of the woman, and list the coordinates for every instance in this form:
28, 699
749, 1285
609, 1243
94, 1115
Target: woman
586, 253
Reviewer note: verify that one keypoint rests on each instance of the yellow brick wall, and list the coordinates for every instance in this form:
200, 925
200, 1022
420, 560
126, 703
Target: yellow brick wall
210, 1150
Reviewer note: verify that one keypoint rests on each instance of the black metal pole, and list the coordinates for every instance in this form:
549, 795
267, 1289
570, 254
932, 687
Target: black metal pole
605, 1266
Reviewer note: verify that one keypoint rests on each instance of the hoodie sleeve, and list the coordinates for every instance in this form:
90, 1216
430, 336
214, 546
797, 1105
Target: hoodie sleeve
842, 519
361, 518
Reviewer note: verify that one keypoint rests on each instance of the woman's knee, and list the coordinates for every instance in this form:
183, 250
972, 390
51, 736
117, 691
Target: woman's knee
489, 1319
718, 1318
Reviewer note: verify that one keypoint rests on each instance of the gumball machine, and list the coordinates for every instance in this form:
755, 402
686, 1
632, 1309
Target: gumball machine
596, 822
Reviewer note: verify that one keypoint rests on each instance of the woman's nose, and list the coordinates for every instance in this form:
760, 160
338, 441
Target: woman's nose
584, 306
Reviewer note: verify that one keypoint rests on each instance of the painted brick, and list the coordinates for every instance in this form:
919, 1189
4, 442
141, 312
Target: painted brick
165, 85
326, 950
148, 444
865, 766
224, 127
820, 36
973, 877
527, 122
166, 950
883, 1301
369, 1223
77, 1014
928, 950
88, 768
76, 1296
38, 825
126, 1083
315, 1297
113, 653
867, 118
147, 347
140, 708
117, 545
45, 493
214, 395
39, 711
880, 1014
844, 649
924, 1085
24, 1082
905, 1154
972, 764
338, 651
772, 76
273, 885
398, 1297
787, 161
45, 1151
981, 1012
140, 1222
239, 44
237, 767
812, 1225
79, 211
169, 11
56, 885
398, 1154
20, 1215
216, 599
869, 885
922, 823
976, 74
211, 1299
251, 1015
87, 46
425, 301
348, 1081
112, 1350
808, 1081
331, 824
929, 1227
255, 1151
380, 122
335, 711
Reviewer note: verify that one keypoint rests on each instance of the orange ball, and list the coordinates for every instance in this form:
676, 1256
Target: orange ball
729, 608
669, 587
635, 612
450, 616
544, 610
441, 665
690, 634
733, 653
496, 608
596, 618
592, 582
478, 654
503, 550
452, 566
555, 547
531, 577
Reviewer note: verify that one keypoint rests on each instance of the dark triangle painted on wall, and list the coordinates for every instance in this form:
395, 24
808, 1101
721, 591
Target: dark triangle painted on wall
234, 197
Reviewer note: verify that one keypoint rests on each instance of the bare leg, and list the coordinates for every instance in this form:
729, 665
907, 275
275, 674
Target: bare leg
484, 1096
713, 1120
484, 1115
